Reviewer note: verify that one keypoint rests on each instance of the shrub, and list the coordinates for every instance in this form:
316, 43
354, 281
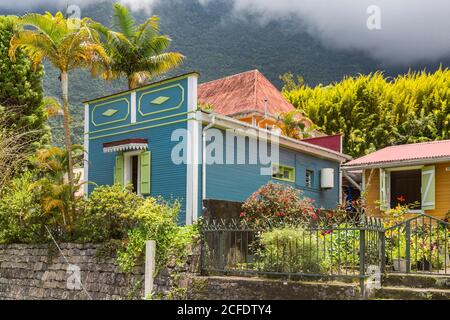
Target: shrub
109, 213
159, 223
293, 250
341, 248
278, 203
21, 217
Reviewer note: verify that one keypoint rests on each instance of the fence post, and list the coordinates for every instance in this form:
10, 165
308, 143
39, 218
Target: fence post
408, 246
150, 250
362, 261
382, 251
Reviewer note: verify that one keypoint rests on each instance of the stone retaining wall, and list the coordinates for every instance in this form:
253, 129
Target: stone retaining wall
41, 272
240, 288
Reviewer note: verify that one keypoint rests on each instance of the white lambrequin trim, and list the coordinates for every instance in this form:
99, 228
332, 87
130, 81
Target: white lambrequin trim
193, 141
133, 107
86, 149
126, 147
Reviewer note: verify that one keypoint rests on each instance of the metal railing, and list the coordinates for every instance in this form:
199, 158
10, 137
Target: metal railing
345, 250
418, 245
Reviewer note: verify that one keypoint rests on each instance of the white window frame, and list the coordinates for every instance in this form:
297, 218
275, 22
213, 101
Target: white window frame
311, 180
127, 168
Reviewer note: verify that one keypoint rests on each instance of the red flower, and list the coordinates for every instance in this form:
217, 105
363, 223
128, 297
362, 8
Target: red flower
401, 198
242, 214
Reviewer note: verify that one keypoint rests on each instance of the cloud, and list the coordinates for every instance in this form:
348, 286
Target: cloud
411, 30
28, 5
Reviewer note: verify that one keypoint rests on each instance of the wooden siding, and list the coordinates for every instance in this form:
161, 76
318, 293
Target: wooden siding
442, 191
372, 191
236, 182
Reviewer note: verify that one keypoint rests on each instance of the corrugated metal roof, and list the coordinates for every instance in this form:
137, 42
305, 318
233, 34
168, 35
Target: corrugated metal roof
243, 92
406, 152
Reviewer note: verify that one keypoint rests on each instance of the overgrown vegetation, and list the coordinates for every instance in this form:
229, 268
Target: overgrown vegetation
374, 111
277, 203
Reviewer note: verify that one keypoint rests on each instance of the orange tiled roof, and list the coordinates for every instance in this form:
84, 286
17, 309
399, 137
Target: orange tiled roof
243, 93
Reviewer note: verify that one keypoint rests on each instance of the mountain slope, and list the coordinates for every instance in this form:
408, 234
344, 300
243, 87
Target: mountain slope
217, 44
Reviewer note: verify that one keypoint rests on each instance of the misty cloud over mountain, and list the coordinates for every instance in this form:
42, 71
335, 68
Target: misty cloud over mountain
411, 30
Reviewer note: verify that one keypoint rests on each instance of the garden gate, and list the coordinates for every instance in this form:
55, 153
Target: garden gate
418, 245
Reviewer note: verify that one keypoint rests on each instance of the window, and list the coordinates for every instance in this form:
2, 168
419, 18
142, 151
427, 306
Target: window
284, 173
134, 168
309, 178
406, 188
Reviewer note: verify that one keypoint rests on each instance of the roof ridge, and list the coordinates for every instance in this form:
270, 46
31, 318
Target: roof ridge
417, 143
230, 76
255, 89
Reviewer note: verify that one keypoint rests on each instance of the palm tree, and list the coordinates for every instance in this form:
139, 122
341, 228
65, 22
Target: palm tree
293, 125
137, 52
56, 192
67, 44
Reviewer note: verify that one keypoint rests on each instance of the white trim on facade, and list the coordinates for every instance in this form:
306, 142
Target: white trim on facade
126, 147
86, 149
127, 168
324, 153
192, 159
133, 106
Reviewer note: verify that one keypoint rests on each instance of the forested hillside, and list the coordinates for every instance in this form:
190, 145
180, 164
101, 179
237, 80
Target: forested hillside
216, 44
374, 112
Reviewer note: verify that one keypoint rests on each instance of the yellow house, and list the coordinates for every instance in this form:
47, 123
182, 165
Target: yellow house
414, 174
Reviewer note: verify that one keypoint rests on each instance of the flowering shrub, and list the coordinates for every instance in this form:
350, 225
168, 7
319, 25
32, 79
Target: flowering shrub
275, 203
395, 215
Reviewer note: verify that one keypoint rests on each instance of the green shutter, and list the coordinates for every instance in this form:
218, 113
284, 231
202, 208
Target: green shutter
428, 187
383, 190
145, 158
119, 170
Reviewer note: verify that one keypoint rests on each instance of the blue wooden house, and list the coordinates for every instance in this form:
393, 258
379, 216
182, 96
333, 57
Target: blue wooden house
157, 138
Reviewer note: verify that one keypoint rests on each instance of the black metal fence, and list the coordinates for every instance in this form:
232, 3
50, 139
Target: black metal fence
231, 247
345, 250
418, 245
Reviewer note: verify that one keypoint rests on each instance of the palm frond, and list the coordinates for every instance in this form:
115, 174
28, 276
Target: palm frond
148, 29
55, 27
35, 45
156, 45
123, 20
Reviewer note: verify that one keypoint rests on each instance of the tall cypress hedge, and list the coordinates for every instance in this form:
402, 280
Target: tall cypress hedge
21, 90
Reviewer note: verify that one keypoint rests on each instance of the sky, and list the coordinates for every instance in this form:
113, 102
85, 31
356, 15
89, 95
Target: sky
399, 32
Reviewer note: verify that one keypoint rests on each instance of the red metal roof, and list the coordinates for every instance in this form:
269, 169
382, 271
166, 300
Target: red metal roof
241, 93
406, 152
333, 142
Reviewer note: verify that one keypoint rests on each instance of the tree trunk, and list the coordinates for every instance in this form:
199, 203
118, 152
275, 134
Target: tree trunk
67, 135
